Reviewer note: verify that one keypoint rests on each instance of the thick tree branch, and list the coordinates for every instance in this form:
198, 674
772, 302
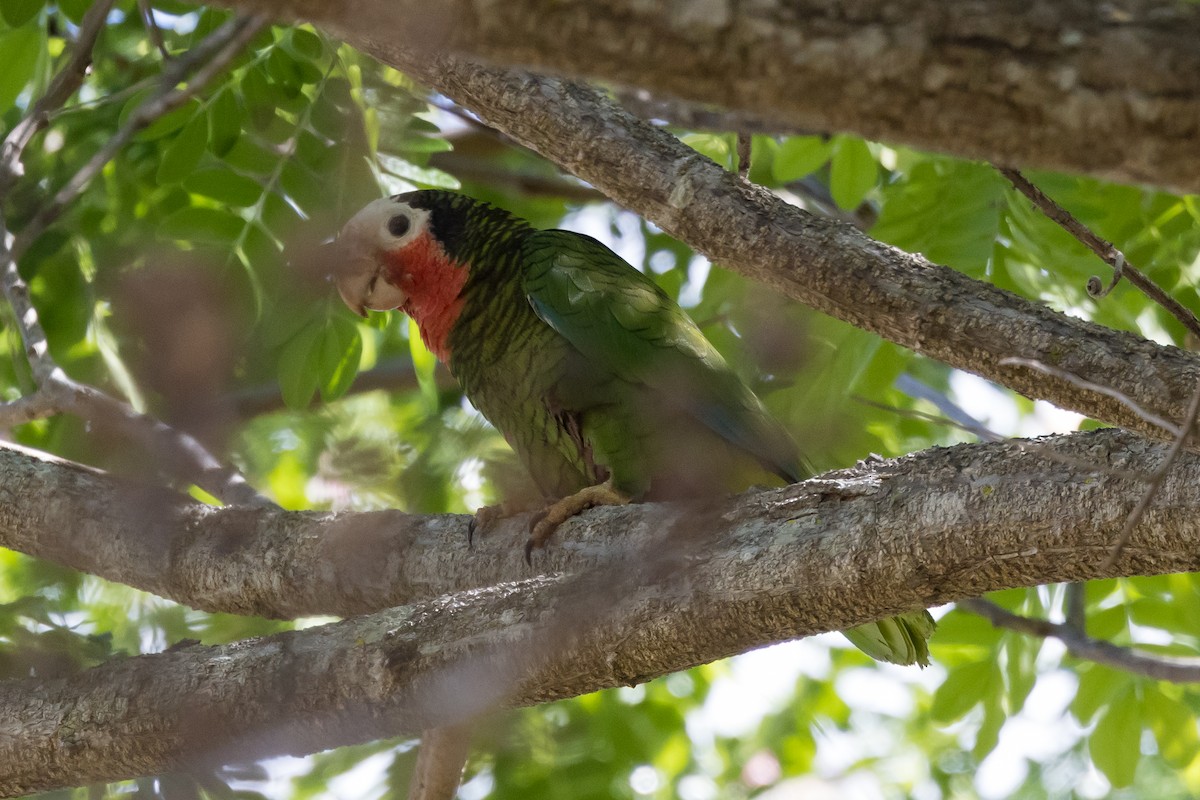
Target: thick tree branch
682, 587
1069, 86
1004, 512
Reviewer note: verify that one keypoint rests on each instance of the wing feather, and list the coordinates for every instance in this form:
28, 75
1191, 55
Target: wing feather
619, 319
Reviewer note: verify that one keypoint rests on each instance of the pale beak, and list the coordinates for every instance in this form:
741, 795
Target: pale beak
362, 285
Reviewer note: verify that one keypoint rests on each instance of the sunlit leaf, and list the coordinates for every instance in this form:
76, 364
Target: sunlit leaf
19, 50
1115, 744
798, 156
852, 171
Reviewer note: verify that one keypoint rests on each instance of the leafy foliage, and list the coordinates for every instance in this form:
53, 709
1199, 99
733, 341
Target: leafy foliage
183, 279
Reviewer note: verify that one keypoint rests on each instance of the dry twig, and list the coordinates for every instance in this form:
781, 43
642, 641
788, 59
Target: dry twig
1104, 249
1082, 646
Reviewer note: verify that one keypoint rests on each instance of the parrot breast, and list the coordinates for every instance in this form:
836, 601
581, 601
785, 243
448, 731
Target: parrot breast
433, 283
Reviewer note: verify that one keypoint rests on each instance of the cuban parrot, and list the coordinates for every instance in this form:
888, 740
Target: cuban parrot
604, 387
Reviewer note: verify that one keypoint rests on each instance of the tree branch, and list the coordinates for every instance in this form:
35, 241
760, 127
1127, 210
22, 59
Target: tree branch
633, 593
1071, 88
1082, 646
913, 515
829, 266
826, 265
1105, 250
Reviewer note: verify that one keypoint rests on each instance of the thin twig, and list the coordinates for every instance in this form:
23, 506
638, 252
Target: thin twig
1176, 670
1076, 607
1104, 249
1107, 391
1152, 486
152, 29
214, 53
744, 145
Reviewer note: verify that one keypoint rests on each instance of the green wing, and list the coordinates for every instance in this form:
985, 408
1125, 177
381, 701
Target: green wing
622, 321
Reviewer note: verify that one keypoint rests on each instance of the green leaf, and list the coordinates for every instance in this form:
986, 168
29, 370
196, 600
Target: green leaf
260, 98
341, 352
852, 172
306, 43
949, 210
430, 177
17, 12
1115, 744
989, 731
200, 224
1173, 724
298, 366
284, 72
801, 155
424, 362
714, 145
1097, 685
963, 688
161, 126
74, 9
424, 144
19, 50
183, 154
225, 118
224, 185
1021, 669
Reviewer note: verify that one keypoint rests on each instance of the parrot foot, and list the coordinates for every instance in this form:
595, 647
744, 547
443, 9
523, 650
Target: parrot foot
546, 522
486, 516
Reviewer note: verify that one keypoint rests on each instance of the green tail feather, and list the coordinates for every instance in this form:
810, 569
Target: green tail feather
903, 639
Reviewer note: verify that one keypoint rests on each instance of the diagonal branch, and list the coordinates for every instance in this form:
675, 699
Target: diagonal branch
824, 264
1082, 646
1104, 249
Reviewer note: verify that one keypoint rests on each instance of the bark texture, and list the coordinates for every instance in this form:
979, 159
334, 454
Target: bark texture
1111, 91
687, 587
289, 563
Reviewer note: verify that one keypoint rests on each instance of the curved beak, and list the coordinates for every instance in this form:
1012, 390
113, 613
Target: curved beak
363, 284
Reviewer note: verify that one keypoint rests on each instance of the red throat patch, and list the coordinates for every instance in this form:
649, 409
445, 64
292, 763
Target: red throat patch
432, 280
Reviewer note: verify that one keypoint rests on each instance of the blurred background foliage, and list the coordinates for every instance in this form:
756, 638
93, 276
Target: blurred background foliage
182, 281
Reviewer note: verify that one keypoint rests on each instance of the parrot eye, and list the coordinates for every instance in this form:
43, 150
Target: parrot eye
398, 225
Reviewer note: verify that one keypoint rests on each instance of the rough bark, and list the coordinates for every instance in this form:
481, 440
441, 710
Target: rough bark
288, 564
1110, 91
685, 587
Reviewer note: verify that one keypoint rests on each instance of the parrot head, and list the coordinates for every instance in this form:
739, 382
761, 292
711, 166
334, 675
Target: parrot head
395, 254
372, 248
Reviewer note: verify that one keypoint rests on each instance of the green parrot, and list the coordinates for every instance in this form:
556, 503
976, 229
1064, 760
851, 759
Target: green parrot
604, 387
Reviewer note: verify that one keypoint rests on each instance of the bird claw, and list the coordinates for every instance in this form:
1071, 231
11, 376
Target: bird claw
545, 522
485, 517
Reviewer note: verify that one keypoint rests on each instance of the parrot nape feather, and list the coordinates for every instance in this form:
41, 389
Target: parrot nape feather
604, 387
